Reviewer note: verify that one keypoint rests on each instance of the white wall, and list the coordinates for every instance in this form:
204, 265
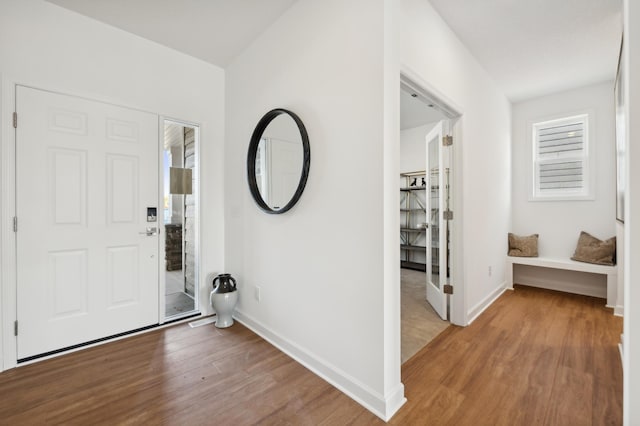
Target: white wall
413, 148
45, 46
431, 54
631, 402
559, 222
319, 266
328, 274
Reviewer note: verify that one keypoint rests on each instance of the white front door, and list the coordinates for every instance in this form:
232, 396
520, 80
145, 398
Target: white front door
86, 173
438, 172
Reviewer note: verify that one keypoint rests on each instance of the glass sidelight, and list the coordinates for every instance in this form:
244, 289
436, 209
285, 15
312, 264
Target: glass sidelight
180, 216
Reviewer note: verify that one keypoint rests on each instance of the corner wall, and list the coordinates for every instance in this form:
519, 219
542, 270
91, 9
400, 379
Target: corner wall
48, 47
320, 265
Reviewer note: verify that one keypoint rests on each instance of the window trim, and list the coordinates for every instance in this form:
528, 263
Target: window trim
588, 157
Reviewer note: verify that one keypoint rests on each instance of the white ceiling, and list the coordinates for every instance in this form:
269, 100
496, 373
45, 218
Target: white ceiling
529, 47
415, 111
536, 47
213, 30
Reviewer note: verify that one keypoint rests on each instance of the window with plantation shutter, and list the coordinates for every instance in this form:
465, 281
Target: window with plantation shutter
561, 158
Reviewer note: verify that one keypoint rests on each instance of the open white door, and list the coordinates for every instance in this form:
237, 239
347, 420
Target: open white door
438, 172
87, 243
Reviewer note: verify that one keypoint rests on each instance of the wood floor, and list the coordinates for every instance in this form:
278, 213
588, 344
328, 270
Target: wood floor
534, 357
420, 323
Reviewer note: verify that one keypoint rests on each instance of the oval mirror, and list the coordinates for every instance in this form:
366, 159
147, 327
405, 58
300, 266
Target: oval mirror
278, 161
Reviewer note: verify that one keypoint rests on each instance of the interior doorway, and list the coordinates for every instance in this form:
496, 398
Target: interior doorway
180, 219
426, 186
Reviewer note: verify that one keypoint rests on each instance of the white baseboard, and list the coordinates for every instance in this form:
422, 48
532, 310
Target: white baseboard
479, 308
382, 406
618, 311
393, 402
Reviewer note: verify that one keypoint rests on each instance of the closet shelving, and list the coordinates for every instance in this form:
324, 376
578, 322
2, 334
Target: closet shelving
412, 219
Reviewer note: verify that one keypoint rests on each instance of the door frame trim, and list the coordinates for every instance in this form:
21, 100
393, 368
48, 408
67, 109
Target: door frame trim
457, 301
9, 240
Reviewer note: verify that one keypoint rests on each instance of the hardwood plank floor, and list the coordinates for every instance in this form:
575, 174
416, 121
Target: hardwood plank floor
534, 357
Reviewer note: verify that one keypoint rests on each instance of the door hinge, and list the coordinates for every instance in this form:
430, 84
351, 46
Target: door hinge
15, 328
448, 289
447, 140
448, 214
15, 224
15, 120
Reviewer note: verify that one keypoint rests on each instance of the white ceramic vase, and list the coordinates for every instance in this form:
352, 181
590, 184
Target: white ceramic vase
224, 304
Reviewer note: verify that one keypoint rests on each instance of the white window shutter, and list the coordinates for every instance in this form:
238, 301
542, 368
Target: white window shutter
561, 157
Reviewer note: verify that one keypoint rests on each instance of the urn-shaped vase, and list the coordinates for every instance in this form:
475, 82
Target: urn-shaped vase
223, 299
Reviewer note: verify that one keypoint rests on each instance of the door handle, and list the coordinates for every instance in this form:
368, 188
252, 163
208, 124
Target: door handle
151, 230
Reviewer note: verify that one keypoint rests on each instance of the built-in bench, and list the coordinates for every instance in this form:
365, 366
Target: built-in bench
571, 265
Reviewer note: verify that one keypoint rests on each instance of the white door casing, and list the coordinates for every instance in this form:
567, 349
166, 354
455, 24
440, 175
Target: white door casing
437, 168
86, 172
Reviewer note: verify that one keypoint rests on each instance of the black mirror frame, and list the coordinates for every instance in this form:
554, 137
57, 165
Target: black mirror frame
251, 160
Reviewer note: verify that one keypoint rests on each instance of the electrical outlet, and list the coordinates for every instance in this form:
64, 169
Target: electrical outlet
489, 270
256, 293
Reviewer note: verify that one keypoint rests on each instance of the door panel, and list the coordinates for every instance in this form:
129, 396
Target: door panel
68, 283
122, 276
436, 232
67, 176
122, 188
86, 173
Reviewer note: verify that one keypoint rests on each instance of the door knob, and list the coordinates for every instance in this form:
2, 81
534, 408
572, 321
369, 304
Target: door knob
151, 230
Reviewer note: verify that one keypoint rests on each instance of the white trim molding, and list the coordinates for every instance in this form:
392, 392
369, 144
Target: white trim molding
383, 406
479, 308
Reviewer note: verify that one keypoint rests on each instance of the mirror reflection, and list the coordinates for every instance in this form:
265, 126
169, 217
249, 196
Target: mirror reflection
279, 161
